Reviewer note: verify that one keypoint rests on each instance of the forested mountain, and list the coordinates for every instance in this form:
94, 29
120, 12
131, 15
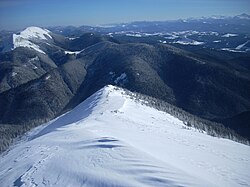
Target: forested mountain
46, 72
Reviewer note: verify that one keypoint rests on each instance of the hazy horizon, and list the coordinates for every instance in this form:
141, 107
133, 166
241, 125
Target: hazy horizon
18, 14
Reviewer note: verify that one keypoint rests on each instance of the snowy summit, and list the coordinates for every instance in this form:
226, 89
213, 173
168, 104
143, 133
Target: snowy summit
112, 140
27, 36
35, 32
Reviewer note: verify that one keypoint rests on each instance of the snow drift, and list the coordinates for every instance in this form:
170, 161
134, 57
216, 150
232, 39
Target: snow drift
112, 140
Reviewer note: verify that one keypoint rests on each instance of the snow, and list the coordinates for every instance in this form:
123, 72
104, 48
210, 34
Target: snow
31, 63
208, 33
73, 52
35, 32
134, 35
13, 74
232, 50
70, 38
229, 35
24, 39
242, 45
112, 140
216, 17
106, 26
153, 34
186, 33
34, 59
188, 42
110, 34
164, 42
21, 42
47, 77
184, 40
172, 37
137, 34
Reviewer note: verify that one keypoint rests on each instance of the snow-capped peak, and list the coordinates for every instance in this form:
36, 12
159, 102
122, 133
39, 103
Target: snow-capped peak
25, 38
35, 32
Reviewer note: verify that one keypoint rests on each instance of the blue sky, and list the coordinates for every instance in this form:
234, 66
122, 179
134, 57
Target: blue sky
17, 14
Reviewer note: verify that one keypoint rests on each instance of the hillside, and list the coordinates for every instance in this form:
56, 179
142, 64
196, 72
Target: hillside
44, 74
113, 140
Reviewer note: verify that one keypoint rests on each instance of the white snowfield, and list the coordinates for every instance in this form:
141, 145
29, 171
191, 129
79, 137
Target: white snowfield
112, 140
229, 35
193, 42
73, 52
24, 39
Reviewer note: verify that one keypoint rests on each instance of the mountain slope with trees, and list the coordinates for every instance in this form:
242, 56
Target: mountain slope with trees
37, 87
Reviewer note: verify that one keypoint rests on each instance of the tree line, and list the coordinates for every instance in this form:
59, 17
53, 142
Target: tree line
211, 128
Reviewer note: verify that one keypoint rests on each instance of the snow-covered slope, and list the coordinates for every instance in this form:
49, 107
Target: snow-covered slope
111, 140
27, 36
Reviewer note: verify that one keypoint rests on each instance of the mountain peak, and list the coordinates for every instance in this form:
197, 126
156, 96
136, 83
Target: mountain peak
35, 32
99, 102
26, 38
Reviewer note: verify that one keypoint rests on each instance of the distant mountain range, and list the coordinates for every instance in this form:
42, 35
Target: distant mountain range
238, 24
198, 65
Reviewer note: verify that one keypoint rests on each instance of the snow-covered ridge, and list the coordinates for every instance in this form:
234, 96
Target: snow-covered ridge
112, 140
25, 38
